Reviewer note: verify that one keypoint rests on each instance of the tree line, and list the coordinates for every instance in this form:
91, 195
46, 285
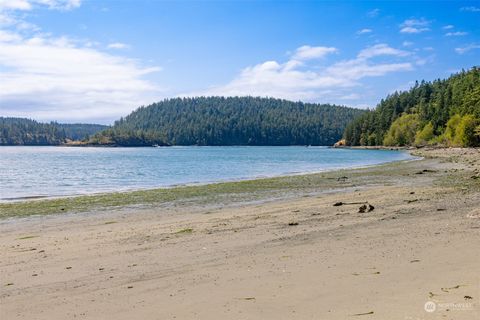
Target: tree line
229, 121
20, 131
443, 112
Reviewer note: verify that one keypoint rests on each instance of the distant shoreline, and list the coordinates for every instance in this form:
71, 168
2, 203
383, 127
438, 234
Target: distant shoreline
193, 184
43, 197
433, 147
154, 196
257, 188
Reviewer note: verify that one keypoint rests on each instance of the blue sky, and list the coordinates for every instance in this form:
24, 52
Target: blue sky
94, 61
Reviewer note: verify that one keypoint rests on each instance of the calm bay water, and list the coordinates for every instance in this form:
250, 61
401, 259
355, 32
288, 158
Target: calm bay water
61, 171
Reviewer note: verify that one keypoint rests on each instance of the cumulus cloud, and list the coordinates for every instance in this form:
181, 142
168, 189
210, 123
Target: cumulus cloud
470, 9
456, 34
414, 26
373, 13
308, 52
53, 78
15, 5
462, 50
118, 45
12, 11
6, 36
364, 31
47, 77
312, 82
381, 50
26, 5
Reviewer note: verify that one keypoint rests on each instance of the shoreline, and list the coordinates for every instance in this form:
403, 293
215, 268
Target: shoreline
61, 204
283, 248
199, 184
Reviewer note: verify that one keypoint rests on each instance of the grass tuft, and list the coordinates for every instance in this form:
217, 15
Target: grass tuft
186, 230
27, 237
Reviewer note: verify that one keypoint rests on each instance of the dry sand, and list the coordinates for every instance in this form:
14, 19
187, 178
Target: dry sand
297, 258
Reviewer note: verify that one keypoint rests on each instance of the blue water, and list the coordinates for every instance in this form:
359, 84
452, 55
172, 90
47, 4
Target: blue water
61, 171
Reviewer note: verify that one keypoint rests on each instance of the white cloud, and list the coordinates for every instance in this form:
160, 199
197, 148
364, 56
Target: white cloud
6, 36
312, 82
456, 34
15, 5
308, 52
412, 30
381, 50
118, 45
414, 26
407, 43
470, 9
448, 27
52, 78
423, 61
373, 13
26, 5
12, 11
462, 50
364, 31
47, 77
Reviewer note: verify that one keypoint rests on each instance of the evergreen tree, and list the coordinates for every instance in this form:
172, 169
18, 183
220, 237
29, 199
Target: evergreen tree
440, 106
19, 131
229, 121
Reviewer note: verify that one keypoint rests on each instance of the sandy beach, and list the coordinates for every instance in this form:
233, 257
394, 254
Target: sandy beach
286, 254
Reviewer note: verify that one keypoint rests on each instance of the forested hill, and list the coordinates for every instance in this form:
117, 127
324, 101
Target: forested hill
229, 121
442, 112
20, 131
